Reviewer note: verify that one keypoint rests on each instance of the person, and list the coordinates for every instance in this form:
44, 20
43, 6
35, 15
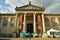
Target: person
14, 34
20, 28
24, 33
51, 34
21, 35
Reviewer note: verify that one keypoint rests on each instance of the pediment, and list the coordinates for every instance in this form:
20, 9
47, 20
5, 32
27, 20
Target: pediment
29, 7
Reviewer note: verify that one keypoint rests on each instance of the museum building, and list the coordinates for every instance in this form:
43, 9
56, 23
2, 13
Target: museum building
29, 19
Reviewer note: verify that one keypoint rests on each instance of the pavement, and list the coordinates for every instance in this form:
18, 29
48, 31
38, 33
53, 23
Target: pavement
29, 38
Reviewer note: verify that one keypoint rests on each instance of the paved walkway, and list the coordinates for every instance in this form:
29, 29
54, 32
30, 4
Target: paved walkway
29, 39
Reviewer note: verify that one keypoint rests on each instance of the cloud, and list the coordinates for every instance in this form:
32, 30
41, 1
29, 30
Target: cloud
15, 3
11, 9
0, 6
7, 10
53, 8
3, 11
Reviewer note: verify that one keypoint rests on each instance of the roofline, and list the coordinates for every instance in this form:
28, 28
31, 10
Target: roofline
7, 14
29, 5
52, 14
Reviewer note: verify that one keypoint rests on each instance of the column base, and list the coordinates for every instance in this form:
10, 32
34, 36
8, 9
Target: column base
44, 35
34, 35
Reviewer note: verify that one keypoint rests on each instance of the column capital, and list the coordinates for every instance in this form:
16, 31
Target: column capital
25, 12
16, 12
9, 18
34, 12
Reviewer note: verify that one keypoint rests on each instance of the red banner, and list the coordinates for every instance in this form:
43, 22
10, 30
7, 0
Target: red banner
20, 27
39, 27
38, 18
20, 18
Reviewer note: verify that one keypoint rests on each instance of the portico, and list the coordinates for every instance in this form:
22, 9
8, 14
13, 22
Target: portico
31, 14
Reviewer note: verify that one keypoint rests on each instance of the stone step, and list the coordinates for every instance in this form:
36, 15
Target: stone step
29, 38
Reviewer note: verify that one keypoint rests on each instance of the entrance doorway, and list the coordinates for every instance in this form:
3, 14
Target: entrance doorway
29, 28
29, 23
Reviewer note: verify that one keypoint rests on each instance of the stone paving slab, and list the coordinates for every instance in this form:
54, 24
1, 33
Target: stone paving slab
29, 39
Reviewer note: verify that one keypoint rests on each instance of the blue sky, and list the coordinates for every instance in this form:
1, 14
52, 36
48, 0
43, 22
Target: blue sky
51, 6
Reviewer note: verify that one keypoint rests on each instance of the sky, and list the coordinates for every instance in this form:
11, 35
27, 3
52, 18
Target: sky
51, 6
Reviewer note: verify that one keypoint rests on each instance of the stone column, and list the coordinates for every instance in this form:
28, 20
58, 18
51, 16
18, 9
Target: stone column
43, 24
16, 22
34, 22
24, 21
1, 22
8, 25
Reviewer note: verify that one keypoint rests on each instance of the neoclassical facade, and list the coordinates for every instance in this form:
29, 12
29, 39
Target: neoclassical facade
30, 18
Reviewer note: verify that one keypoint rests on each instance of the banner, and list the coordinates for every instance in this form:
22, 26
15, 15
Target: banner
20, 27
39, 27
38, 18
20, 18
